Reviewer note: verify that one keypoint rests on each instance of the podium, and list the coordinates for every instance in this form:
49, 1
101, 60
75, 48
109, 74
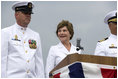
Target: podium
86, 65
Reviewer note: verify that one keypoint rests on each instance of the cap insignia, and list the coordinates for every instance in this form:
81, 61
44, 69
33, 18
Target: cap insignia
16, 8
30, 5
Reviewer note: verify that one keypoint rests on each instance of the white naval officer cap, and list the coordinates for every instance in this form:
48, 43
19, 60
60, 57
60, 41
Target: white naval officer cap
111, 17
23, 6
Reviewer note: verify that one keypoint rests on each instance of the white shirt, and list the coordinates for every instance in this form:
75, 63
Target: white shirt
21, 53
107, 47
56, 54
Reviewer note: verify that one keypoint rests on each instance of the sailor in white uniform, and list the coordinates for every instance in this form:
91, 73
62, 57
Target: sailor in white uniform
108, 46
21, 52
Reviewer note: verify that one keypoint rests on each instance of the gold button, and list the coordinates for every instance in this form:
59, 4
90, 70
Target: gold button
114, 67
24, 42
28, 61
23, 32
26, 51
27, 71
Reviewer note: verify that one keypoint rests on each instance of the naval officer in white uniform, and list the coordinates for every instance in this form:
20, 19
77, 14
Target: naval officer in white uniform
21, 52
58, 52
108, 46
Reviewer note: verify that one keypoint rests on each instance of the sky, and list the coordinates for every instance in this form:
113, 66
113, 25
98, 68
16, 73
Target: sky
87, 18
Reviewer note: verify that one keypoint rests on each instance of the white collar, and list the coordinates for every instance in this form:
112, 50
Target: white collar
61, 45
20, 27
113, 36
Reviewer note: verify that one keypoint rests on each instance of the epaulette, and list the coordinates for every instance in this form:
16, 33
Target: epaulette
103, 39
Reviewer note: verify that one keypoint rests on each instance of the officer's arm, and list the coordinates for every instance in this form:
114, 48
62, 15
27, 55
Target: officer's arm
4, 53
100, 49
39, 60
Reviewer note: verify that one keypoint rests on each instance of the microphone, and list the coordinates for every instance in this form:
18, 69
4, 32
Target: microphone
78, 45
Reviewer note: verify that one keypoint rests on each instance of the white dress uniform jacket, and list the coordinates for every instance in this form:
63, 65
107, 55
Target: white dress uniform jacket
107, 47
56, 54
21, 53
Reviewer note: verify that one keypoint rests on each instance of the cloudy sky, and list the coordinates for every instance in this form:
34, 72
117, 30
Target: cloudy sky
87, 18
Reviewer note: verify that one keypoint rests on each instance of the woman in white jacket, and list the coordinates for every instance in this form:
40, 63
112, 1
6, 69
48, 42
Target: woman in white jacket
58, 52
